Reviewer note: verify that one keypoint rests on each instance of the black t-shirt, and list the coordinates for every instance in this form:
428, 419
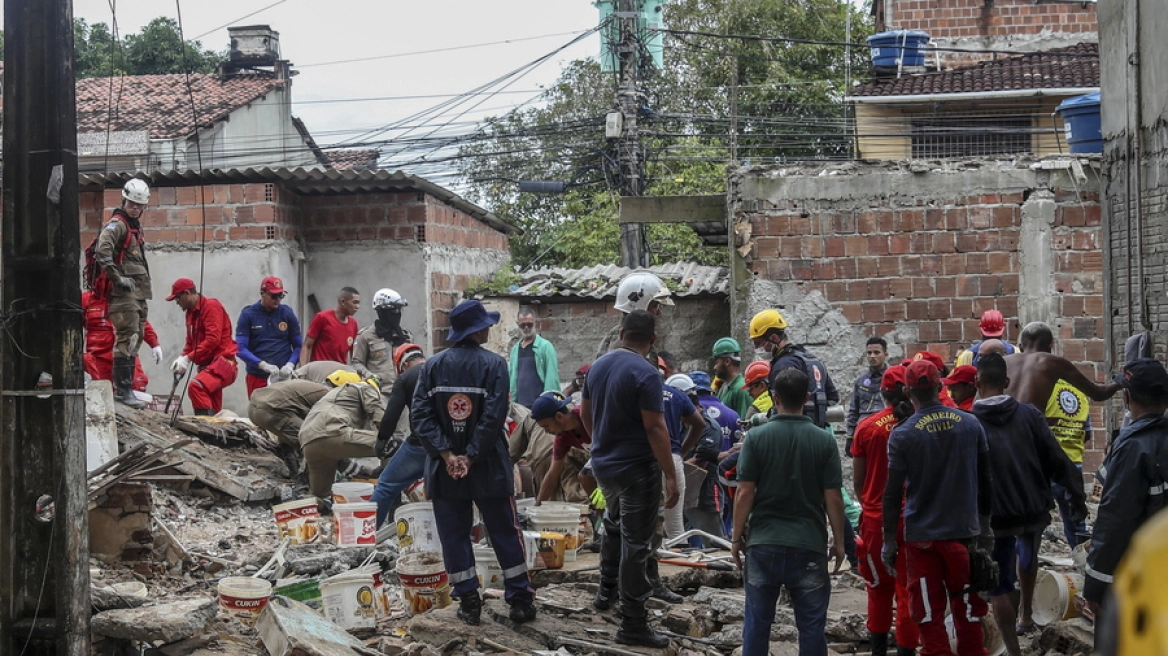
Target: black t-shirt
529, 386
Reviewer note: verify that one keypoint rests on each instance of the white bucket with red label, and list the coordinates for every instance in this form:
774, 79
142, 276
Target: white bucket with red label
424, 582
298, 520
356, 524
243, 598
352, 492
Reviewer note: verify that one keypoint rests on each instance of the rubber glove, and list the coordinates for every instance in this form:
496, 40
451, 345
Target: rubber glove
270, 369
597, 499
286, 371
181, 365
157, 351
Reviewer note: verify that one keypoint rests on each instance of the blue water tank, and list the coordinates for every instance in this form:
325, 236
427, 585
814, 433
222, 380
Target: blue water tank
1081, 118
889, 48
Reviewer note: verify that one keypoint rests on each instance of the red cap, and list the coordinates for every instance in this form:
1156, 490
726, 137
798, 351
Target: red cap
181, 285
929, 356
993, 324
893, 376
922, 374
272, 285
963, 374
583, 370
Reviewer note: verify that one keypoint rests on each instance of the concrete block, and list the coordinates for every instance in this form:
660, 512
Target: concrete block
101, 434
170, 622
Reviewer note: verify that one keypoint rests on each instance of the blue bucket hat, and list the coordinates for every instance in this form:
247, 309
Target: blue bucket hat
469, 317
702, 381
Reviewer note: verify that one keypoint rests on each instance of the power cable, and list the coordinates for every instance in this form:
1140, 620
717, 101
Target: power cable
437, 50
229, 24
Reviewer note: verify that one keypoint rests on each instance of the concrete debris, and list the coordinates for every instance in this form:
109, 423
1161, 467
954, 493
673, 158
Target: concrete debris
728, 605
107, 597
1070, 637
323, 559
164, 623
289, 628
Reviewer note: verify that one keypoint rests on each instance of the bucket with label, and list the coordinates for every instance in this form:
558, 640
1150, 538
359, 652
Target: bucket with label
991, 637
243, 598
424, 582
416, 529
298, 520
350, 600
356, 524
352, 492
306, 591
1054, 596
487, 566
549, 550
561, 518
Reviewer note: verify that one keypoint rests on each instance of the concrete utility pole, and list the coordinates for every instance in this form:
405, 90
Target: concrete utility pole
44, 541
631, 162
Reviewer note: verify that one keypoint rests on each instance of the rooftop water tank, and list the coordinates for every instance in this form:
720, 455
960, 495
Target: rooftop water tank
1081, 119
898, 48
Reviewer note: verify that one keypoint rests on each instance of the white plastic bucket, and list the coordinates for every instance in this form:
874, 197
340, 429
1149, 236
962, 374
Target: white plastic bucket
298, 520
350, 601
243, 598
991, 639
563, 518
1054, 596
424, 582
352, 492
416, 529
487, 565
356, 524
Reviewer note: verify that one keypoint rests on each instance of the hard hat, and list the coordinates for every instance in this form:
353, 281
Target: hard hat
1136, 621
137, 191
680, 381
727, 347
638, 289
764, 321
386, 298
756, 371
340, 377
993, 324
400, 353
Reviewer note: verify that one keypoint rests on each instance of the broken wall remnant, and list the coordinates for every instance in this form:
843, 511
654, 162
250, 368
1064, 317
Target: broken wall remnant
120, 528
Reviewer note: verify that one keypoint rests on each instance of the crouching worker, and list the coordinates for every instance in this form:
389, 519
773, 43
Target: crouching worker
343, 424
555, 415
459, 412
280, 408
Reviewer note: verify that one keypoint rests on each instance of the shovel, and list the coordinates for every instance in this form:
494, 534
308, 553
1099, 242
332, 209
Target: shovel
177, 380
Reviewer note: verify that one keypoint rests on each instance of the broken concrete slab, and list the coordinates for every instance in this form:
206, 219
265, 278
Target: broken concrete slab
314, 559
104, 597
165, 623
290, 628
1075, 636
730, 605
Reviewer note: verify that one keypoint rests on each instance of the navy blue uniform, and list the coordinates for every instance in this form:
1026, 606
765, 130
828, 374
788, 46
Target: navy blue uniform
819, 384
271, 336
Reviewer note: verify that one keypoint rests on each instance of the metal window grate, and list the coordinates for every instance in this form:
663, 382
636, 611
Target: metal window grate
970, 136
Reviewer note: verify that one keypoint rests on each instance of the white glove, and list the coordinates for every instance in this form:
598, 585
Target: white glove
286, 371
157, 350
270, 369
181, 365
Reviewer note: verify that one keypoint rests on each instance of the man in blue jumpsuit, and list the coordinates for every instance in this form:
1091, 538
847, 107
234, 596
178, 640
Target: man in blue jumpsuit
267, 337
459, 411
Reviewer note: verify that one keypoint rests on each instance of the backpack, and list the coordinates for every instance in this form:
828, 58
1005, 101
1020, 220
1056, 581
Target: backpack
94, 277
816, 407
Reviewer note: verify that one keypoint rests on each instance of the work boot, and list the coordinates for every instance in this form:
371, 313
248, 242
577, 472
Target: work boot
205, 412
605, 596
124, 383
659, 590
521, 612
906, 651
470, 608
635, 629
879, 643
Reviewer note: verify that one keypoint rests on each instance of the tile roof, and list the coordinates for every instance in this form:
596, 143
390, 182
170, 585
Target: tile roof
345, 160
684, 279
161, 105
1074, 67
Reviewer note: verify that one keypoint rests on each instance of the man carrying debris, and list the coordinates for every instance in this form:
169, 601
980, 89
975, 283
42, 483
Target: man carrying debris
209, 347
623, 410
332, 332
343, 424
768, 331
789, 478
459, 411
267, 336
408, 462
375, 346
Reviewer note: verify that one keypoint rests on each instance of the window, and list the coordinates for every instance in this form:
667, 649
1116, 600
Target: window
970, 136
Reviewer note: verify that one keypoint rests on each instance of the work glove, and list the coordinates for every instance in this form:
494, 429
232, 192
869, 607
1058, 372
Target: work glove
181, 365
888, 556
286, 371
126, 284
270, 369
157, 351
597, 499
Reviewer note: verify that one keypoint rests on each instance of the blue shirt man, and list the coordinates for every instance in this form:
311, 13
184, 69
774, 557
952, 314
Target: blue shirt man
267, 337
722, 414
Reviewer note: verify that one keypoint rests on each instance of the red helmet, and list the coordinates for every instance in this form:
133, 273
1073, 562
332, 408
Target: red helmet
399, 354
993, 324
756, 371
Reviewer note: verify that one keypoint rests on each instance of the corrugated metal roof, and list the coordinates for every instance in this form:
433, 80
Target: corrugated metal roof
684, 279
309, 182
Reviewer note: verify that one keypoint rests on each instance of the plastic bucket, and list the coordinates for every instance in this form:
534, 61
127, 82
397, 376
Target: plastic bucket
558, 518
899, 47
298, 520
352, 492
1054, 596
549, 550
356, 524
424, 582
243, 598
1082, 123
349, 600
306, 591
380, 589
487, 565
991, 638
416, 530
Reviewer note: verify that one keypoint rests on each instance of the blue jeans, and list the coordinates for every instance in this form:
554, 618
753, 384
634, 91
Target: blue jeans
403, 468
1063, 499
804, 573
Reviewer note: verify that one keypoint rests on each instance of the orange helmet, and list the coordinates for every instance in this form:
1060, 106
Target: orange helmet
756, 371
399, 354
993, 324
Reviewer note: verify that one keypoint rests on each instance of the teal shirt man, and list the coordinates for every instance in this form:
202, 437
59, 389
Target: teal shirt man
547, 366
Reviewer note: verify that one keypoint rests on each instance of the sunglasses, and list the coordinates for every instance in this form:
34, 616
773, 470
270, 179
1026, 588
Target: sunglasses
278, 297
527, 325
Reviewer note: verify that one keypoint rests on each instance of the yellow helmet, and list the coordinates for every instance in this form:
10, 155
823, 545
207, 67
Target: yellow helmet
340, 377
764, 321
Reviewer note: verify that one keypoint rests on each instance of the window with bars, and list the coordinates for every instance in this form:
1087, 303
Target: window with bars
970, 136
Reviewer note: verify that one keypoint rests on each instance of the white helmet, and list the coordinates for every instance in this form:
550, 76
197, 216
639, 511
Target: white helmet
680, 381
137, 191
387, 298
638, 289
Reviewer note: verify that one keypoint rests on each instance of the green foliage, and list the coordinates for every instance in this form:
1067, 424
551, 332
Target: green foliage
156, 49
499, 283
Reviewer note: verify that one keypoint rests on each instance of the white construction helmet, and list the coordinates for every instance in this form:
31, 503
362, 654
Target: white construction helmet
681, 382
137, 191
638, 289
387, 298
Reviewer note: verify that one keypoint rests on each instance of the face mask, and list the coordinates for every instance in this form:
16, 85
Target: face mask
763, 353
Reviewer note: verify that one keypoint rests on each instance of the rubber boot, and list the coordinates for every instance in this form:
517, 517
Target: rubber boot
659, 590
470, 608
206, 412
635, 629
879, 643
605, 596
123, 383
521, 612
906, 651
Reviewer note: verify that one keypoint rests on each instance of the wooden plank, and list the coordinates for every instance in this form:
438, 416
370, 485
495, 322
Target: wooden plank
673, 209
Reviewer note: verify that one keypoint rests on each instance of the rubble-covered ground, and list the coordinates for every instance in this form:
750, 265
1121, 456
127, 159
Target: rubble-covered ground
208, 516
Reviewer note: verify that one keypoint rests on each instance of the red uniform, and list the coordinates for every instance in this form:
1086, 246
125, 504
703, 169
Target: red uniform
333, 339
871, 443
99, 342
211, 347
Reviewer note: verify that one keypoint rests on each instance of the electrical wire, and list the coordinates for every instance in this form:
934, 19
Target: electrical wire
229, 24
437, 50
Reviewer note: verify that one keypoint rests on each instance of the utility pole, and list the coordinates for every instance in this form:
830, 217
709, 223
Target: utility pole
44, 541
629, 145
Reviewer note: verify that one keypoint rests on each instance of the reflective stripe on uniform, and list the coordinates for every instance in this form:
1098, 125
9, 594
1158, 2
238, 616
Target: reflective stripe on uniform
1156, 490
464, 575
925, 601
457, 390
512, 572
875, 572
1099, 576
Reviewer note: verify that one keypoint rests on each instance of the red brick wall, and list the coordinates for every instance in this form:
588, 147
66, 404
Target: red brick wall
970, 18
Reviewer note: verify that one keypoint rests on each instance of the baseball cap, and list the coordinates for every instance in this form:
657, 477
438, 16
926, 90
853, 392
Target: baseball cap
583, 370
963, 374
1145, 374
181, 285
922, 374
893, 376
547, 405
272, 285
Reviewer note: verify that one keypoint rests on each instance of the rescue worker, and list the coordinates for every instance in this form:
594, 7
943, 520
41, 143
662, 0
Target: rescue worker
707, 515
319, 371
459, 411
280, 408
375, 345
572, 389
992, 326
768, 331
331, 333
209, 347
728, 379
342, 424
961, 386
121, 253
866, 400
1133, 623
639, 290
556, 415
938, 362
757, 375
267, 337
407, 462
99, 342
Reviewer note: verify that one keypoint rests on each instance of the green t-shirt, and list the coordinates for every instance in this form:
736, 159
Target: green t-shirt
791, 462
734, 397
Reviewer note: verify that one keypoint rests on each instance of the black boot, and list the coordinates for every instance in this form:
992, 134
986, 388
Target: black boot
605, 596
659, 590
635, 629
124, 383
470, 608
906, 651
879, 643
521, 612
204, 413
